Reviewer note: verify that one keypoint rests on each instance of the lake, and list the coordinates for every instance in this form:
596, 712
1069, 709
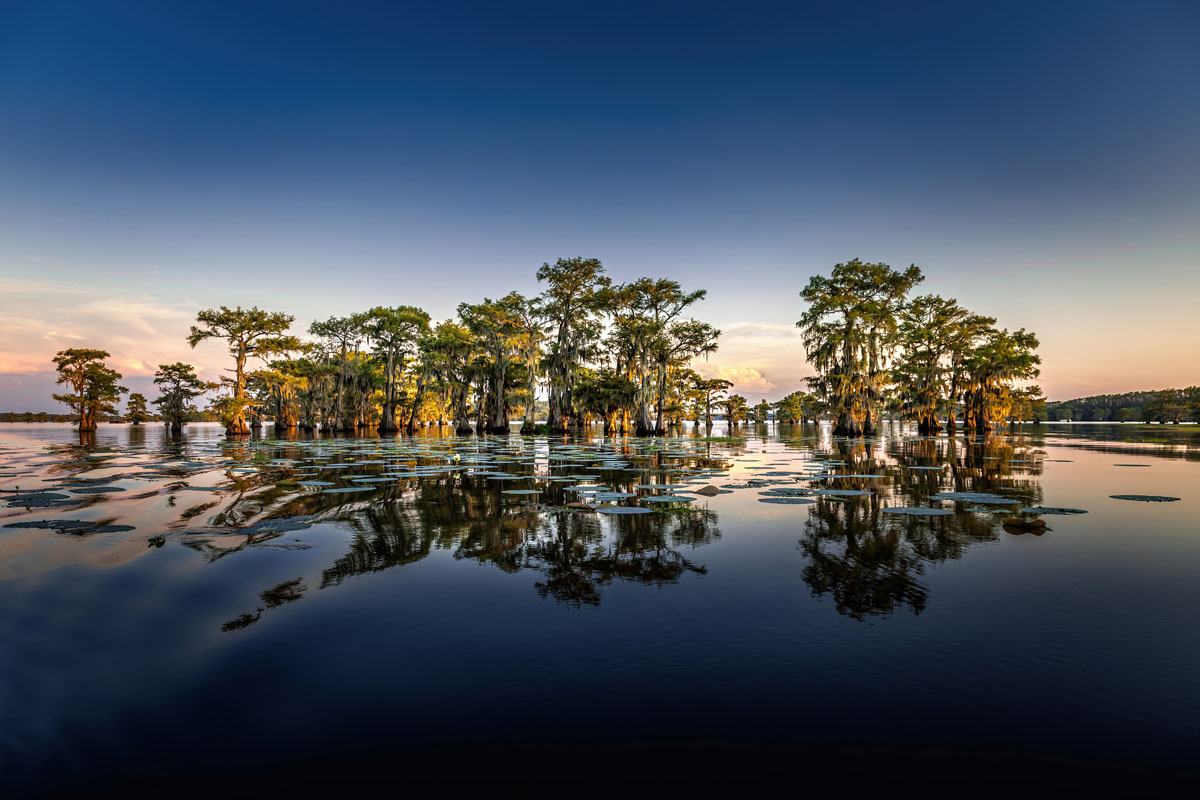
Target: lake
201, 613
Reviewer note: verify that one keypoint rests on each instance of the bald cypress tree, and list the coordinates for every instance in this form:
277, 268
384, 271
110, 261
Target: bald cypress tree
249, 333
94, 390
849, 333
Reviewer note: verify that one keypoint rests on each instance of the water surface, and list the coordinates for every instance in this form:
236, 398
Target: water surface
178, 608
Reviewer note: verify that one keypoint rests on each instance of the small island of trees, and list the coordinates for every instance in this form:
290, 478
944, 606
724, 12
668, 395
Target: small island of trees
595, 351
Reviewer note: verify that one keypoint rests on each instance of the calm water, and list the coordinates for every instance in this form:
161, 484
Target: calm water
203, 610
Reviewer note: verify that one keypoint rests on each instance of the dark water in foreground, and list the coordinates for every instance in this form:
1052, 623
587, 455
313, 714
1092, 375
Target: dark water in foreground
200, 610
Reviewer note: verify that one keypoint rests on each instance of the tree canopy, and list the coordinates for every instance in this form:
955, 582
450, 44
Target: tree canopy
94, 390
249, 333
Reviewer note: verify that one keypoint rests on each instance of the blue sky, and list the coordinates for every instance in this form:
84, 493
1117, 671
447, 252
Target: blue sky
1037, 160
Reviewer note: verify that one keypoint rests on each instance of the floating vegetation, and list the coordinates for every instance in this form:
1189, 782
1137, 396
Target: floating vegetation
787, 501
975, 497
917, 511
622, 510
1032, 525
40, 496
33, 502
77, 527
1145, 498
1051, 510
51, 524
275, 526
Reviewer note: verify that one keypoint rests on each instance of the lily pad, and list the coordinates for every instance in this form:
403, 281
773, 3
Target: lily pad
622, 510
787, 501
1144, 498
1051, 510
975, 497
275, 526
29, 502
52, 524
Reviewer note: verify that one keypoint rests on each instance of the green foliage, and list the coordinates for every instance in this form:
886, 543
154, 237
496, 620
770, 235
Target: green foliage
94, 388
874, 349
1171, 405
1162, 405
997, 359
849, 333
178, 385
249, 333
936, 336
135, 409
571, 307
710, 391
737, 409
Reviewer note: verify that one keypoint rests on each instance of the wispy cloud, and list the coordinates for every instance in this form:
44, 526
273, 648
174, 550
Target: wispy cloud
37, 319
759, 358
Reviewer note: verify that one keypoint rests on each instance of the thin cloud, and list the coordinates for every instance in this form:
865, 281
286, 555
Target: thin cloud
37, 319
760, 358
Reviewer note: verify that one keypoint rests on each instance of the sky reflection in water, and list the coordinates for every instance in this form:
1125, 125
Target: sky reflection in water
197, 590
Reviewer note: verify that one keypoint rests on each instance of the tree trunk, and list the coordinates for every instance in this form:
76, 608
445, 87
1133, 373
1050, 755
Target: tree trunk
499, 418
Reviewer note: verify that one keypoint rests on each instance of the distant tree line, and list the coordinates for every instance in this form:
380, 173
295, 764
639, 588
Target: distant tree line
35, 416
1162, 405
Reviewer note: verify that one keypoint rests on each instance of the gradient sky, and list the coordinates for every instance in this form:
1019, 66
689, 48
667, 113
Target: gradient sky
1038, 161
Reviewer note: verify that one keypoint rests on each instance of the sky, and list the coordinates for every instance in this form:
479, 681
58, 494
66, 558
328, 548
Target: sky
1038, 161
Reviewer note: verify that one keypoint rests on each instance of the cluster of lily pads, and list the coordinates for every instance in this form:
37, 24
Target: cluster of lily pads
41, 487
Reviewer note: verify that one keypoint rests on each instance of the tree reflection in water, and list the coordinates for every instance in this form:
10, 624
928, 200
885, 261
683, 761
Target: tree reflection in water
282, 594
869, 562
577, 557
577, 554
